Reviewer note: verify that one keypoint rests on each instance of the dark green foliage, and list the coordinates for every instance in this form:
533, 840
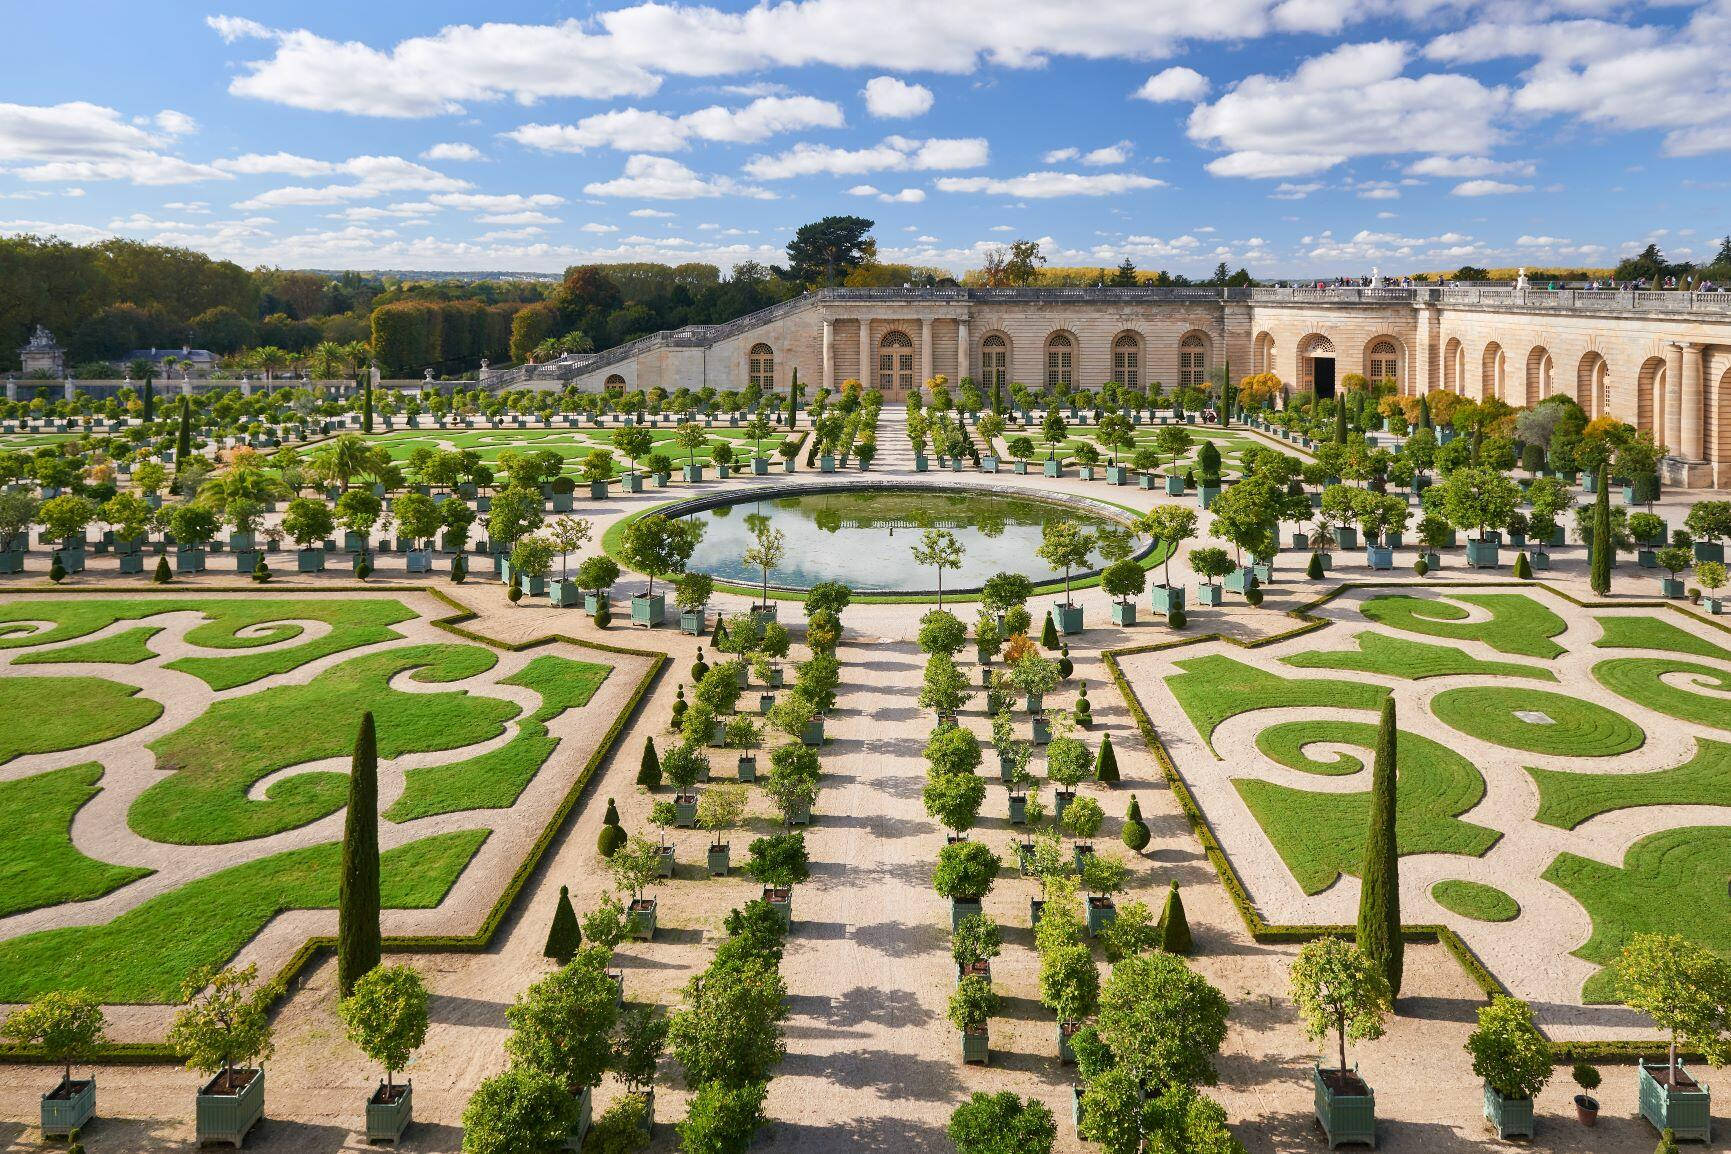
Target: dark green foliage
1523, 567
1253, 597
700, 666
1106, 764
612, 816
358, 934
1340, 420
649, 766
1421, 566
459, 569
1135, 832
717, 637
612, 834
261, 571
565, 936
514, 594
1315, 570
680, 705
56, 570
183, 438
1174, 926
162, 576
721, 1119
367, 404
1176, 619
603, 616
1065, 666
1084, 711
1379, 900
363, 567
1604, 548
1049, 633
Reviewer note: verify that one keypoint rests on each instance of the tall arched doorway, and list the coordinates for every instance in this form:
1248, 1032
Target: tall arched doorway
1060, 361
760, 367
1316, 366
1454, 365
1592, 386
1262, 353
1541, 373
994, 362
1193, 361
896, 365
1382, 362
1492, 366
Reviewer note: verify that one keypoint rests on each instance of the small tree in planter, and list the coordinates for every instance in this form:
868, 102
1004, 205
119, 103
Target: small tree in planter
1162, 1021
224, 1027
1035, 676
954, 799
1712, 576
767, 549
1067, 763
1686, 989
942, 632
939, 549
691, 592
778, 863
1134, 931
1069, 987
562, 1027
66, 1025
638, 1042
1587, 1077
1066, 545
658, 545
1002, 1123
517, 1111
971, 1007
720, 809
723, 1118
531, 561
945, 688
1339, 991
1211, 563
975, 941
386, 1017
965, 873
1674, 559
598, 575
1514, 1059
635, 867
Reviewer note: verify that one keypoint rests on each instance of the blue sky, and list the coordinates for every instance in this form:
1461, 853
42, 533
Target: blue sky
1295, 137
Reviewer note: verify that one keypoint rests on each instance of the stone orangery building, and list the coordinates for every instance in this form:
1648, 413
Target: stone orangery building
1658, 360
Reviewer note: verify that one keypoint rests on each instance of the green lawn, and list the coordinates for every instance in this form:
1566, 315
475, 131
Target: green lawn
219, 756
1576, 728
1321, 835
1674, 882
1285, 743
1413, 660
356, 622
1639, 680
49, 714
1568, 799
1519, 625
144, 954
1475, 900
495, 780
128, 648
1652, 633
1214, 688
38, 864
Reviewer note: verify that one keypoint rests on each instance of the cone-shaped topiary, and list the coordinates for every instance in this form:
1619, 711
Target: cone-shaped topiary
611, 817
565, 936
1106, 762
1523, 567
1315, 570
1065, 666
162, 576
699, 667
718, 636
679, 707
56, 570
358, 889
1049, 633
649, 766
261, 571
1084, 711
603, 617
1135, 832
1174, 926
459, 570
1379, 898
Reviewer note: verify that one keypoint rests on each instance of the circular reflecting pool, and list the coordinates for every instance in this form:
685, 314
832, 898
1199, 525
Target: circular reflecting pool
865, 535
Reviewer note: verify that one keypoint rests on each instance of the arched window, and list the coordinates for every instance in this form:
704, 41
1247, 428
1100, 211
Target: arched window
615, 381
1060, 360
994, 361
1541, 373
1592, 385
896, 361
761, 370
1127, 360
1193, 362
1454, 365
1384, 362
1263, 359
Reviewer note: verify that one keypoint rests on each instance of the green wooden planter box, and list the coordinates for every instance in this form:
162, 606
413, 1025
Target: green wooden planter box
812, 735
1686, 1113
1066, 1052
1207, 594
585, 1115
61, 1116
976, 1046
562, 594
1165, 598
718, 860
693, 621
228, 1117
1123, 613
641, 919
1241, 580
1482, 554
1053, 468
1344, 1117
1018, 809
650, 611
1102, 912
799, 813
685, 810
665, 861
781, 901
1068, 618
959, 909
1512, 1117
386, 1121
747, 767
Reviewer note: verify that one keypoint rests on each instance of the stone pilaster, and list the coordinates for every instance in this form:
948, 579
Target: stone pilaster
1693, 407
829, 354
963, 369
1672, 434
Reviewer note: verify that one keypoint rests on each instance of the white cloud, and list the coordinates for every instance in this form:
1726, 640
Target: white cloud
1487, 188
640, 130
662, 178
1060, 155
1351, 102
905, 196
603, 228
82, 141
894, 153
1456, 167
652, 213
175, 123
1289, 190
275, 163
1109, 155
495, 202
527, 216
1542, 241
888, 98
1176, 83
1044, 185
452, 150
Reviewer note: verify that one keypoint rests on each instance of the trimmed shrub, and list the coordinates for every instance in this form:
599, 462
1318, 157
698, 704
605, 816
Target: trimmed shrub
649, 766
565, 936
1174, 926
1135, 832
162, 576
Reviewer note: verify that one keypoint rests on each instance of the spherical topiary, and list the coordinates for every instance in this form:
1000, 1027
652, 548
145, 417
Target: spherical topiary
679, 707
1315, 571
603, 617
162, 576
1084, 711
1253, 596
1135, 832
56, 570
1175, 618
611, 838
514, 594
363, 567
261, 571
1065, 665
699, 667
1421, 566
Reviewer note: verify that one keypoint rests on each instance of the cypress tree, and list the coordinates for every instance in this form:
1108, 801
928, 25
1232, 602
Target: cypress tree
1106, 764
1340, 420
1603, 550
149, 399
1049, 633
565, 936
649, 768
1135, 832
183, 440
162, 576
1174, 926
1424, 412
367, 403
1379, 899
358, 944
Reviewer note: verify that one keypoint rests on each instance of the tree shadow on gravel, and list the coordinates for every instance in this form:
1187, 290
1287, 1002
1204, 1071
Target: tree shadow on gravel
891, 1009
456, 1011
900, 939
890, 1073
879, 825
875, 1135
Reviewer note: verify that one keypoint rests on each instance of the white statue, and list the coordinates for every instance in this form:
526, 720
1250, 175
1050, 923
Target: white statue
1521, 280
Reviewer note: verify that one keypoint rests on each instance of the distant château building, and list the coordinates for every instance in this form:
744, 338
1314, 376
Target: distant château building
183, 361
42, 354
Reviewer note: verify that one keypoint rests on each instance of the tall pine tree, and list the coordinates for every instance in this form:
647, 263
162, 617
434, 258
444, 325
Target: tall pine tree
366, 400
183, 442
1604, 549
358, 944
1379, 899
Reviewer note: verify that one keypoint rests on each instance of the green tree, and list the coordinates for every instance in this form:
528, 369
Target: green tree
1508, 1050
1002, 1123
1604, 552
1162, 1021
358, 937
1339, 991
722, 1119
729, 1031
562, 1026
225, 1023
768, 547
825, 251
939, 549
1682, 986
657, 545
1064, 545
521, 1111
386, 1016
564, 936
66, 1024
183, 435
1379, 899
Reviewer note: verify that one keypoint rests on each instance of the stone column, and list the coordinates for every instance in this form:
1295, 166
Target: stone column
70, 392
925, 352
245, 385
963, 348
829, 354
1673, 434
11, 389
1692, 411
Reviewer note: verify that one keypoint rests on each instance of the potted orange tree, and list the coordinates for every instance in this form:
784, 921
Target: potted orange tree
64, 1025
224, 1028
1338, 990
386, 1017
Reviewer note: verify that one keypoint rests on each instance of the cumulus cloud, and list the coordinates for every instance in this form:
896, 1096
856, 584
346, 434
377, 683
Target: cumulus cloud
1455, 167
888, 98
1109, 155
452, 151
79, 141
892, 154
1176, 83
641, 130
662, 178
1351, 102
1487, 188
1045, 185
905, 196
